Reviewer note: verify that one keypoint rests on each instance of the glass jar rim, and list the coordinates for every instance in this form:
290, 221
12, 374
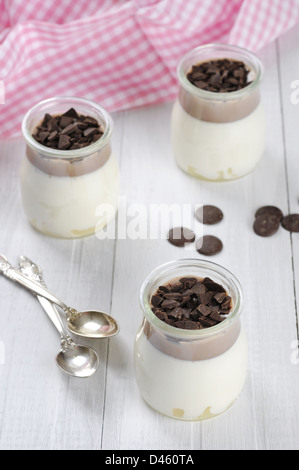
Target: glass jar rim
68, 154
191, 334
210, 95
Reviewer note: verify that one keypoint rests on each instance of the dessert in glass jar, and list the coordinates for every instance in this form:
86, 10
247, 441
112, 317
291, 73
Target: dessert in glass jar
69, 170
218, 119
191, 349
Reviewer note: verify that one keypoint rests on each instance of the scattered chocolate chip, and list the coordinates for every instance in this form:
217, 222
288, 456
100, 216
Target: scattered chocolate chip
269, 211
209, 245
267, 220
187, 309
219, 75
80, 130
265, 226
179, 236
209, 215
291, 222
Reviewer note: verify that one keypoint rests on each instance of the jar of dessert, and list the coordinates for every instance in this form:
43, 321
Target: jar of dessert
191, 350
218, 119
69, 173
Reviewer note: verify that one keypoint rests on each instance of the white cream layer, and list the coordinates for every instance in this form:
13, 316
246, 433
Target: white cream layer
190, 390
217, 151
66, 206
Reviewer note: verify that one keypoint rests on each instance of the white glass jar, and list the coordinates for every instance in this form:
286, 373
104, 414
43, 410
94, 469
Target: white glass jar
62, 190
218, 136
190, 374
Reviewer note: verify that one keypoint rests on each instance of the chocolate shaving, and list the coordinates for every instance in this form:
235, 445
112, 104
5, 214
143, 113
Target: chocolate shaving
219, 75
69, 131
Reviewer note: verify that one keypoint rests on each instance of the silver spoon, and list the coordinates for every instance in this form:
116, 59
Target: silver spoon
91, 323
74, 359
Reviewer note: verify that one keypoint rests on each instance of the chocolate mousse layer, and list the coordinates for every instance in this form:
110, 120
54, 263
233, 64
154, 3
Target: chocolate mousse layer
68, 134
221, 91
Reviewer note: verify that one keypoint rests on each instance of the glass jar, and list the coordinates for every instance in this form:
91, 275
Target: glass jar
190, 374
62, 190
218, 136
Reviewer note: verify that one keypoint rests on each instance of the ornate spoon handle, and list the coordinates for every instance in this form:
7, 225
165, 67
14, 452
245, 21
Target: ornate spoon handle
11, 273
33, 272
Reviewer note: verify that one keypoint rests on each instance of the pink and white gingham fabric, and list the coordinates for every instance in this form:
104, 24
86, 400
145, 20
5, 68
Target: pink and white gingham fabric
120, 53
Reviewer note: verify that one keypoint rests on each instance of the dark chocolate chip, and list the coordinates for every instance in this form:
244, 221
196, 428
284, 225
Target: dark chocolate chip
179, 236
269, 211
291, 222
209, 215
265, 226
209, 245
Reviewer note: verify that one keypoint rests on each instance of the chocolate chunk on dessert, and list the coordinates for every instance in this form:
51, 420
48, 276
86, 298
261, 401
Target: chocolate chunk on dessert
68, 131
209, 245
179, 236
203, 305
291, 222
209, 215
219, 75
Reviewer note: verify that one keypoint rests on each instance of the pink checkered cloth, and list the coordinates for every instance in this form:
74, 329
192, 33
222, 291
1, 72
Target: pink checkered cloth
120, 53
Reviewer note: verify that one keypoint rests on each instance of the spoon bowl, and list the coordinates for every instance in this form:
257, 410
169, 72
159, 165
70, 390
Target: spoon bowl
94, 324
91, 324
79, 361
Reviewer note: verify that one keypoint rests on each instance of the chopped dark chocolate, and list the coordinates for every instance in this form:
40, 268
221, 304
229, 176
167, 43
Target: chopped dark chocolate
219, 75
192, 307
80, 131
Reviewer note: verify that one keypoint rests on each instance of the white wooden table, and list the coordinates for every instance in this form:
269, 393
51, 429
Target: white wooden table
41, 408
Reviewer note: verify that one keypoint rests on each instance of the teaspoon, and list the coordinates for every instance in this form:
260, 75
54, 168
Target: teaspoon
90, 323
74, 359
